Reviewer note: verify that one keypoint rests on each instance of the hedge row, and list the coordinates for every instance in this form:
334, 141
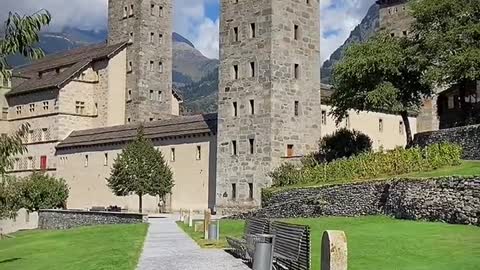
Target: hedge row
370, 165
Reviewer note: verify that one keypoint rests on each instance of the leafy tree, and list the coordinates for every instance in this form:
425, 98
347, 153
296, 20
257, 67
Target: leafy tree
343, 143
384, 74
21, 34
140, 169
449, 34
10, 198
11, 145
41, 191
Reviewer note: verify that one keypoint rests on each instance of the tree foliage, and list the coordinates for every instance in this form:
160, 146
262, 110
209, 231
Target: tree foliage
10, 198
21, 34
41, 191
449, 34
11, 145
384, 74
141, 170
344, 143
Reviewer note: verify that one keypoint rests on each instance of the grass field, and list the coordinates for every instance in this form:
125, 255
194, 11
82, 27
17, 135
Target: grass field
115, 247
383, 243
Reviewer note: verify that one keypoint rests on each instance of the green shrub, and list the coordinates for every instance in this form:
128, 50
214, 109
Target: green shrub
41, 191
344, 143
371, 165
10, 198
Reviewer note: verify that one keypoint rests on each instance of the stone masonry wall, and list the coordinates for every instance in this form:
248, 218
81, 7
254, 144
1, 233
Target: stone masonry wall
264, 121
468, 137
452, 200
66, 219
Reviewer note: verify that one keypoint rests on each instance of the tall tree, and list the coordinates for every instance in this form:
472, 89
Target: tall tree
141, 170
384, 74
449, 32
21, 36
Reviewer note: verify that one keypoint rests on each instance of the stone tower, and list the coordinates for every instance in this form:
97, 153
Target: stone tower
269, 94
148, 27
395, 20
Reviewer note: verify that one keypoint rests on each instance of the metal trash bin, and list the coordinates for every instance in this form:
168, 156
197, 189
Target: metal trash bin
262, 251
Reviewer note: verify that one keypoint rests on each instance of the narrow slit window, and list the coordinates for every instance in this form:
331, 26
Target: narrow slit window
105, 159
160, 38
296, 108
160, 11
151, 95
380, 125
235, 34
296, 32
252, 69
131, 10
199, 152
152, 37
86, 161
250, 191
252, 146
151, 65
252, 107
172, 154
235, 109
252, 30
160, 67
235, 72
234, 191
159, 95
152, 9
234, 148
324, 117
296, 71
401, 128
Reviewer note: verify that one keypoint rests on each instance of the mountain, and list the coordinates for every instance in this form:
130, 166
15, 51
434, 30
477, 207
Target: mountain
361, 33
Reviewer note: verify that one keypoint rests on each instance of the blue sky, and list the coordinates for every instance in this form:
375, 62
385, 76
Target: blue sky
197, 20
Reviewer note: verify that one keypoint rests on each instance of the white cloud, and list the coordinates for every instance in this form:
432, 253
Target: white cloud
190, 20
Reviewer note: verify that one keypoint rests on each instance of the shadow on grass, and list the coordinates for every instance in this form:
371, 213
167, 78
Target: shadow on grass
10, 260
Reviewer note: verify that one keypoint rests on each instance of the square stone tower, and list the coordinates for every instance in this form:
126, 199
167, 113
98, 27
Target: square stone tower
269, 94
148, 27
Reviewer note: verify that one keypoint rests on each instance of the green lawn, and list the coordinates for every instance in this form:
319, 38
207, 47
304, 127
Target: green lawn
467, 168
233, 229
116, 247
383, 243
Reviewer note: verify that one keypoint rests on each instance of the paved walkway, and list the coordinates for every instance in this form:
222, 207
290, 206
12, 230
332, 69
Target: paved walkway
168, 247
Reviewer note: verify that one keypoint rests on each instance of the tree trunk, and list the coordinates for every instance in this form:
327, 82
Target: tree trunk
140, 202
408, 128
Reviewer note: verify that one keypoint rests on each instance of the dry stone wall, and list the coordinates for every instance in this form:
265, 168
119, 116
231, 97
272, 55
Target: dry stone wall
67, 219
468, 137
453, 200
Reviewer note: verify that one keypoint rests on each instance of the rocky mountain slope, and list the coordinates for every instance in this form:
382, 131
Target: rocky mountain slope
361, 33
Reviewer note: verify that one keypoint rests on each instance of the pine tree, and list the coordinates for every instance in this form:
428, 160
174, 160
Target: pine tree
141, 170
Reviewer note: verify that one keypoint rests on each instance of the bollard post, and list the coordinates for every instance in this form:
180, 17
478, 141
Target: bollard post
181, 215
206, 223
190, 218
334, 251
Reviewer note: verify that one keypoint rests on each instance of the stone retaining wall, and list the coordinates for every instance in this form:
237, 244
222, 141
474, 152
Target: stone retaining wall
468, 137
66, 219
454, 200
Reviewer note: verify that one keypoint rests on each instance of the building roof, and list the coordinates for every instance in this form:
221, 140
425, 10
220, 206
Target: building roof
71, 62
163, 129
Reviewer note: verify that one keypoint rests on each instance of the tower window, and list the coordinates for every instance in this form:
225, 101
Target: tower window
252, 30
235, 34
252, 146
347, 121
234, 148
290, 150
296, 108
105, 159
151, 95
130, 66
324, 117
252, 106
250, 191
252, 69
235, 72
160, 38
151, 65
405, 33
160, 11
234, 191
85, 161
380, 125
160, 67
129, 94
152, 9
172, 154
159, 95
132, 37
199, 152
125, 12
152, 37
235, 109
131, 10
296, 71
295, 32
401, 128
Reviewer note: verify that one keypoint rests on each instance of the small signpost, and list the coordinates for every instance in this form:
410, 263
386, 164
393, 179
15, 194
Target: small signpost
206, 223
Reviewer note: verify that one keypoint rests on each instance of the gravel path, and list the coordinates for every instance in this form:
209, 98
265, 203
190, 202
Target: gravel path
168, 247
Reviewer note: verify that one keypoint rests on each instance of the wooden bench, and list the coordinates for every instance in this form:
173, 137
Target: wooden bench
291, 247
253, 226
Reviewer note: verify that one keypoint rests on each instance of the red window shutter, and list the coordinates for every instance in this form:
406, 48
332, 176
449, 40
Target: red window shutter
43, 162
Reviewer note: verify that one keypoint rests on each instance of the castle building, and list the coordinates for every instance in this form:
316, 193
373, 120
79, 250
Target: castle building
85, 105
269, 93
147, 25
